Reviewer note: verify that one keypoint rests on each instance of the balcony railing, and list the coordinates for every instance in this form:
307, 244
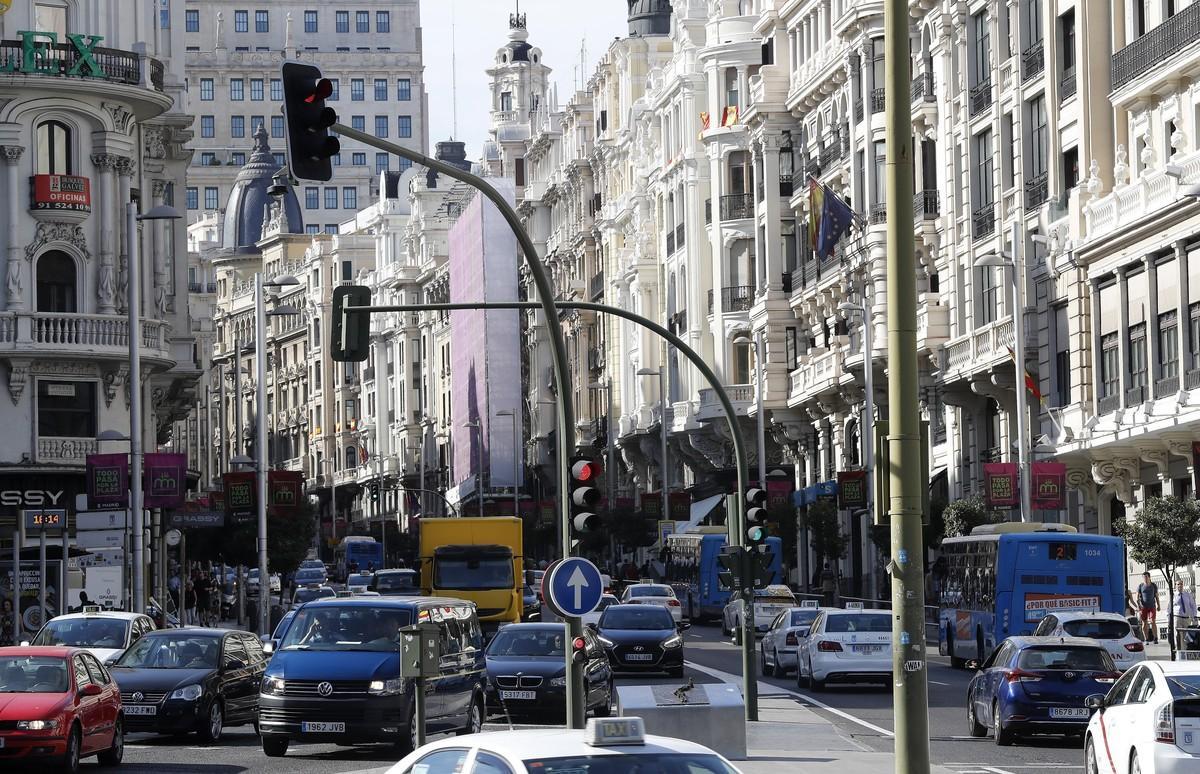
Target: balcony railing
1033, 61
878, 100
670, 243
596, 286
1037, 190
1166, 387
737, 298
858, 112
981, 98
737, 206
708, 212
1136, 396
58, 59
983, 221
1109, 403
922, 88
65, 449
1157, 46
1191, 380
925, 205
1067, 87
878, 214
679, 232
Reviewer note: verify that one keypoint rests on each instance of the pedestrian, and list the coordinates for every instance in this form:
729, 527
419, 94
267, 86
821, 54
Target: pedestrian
189, 601
1147, 598
203, 589
828, 586
1185, 615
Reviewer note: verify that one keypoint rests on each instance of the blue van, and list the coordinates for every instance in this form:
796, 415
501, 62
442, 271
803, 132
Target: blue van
335, 676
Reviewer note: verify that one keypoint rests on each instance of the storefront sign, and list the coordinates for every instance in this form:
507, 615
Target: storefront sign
852, 489
1049, 482
108, 481
285, 488
195, 519
1000, 484
165, 480
240, 497
31, 497
38, 55
61, 192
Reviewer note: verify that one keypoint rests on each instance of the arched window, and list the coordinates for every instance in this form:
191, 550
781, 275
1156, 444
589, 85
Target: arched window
56, 283
351, 457
54, 148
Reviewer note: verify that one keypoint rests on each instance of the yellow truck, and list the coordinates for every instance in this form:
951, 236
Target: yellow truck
476, 559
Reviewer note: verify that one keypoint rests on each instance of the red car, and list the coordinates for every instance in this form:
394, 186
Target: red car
58, 704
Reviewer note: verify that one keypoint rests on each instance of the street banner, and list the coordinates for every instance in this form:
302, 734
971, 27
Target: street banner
165, 480
681, 506
852, 489
285, 488
241, 501
1000, 484
779, 493
108, 481
1049, 482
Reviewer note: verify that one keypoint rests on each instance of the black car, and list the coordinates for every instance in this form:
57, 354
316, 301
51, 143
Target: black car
176, 681
642, 638
395, 583
526, 671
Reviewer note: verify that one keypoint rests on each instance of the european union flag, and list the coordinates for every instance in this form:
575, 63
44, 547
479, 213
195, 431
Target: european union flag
835, 219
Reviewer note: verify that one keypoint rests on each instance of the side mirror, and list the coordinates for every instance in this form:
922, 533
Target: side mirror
1094, 702
91, 689
269, 647
683, 626
973, 665
593, 627
110, 661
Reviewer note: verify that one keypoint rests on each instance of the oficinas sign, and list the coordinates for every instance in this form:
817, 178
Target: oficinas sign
40, 54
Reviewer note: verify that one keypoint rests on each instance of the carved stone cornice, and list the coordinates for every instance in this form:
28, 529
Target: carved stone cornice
1118, 475
11, 153
105, 160
67, 233
18, 377
125, 166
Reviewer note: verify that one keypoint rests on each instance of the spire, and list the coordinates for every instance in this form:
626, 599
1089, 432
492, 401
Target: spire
261, 152
220, 44
516, 21
288, 43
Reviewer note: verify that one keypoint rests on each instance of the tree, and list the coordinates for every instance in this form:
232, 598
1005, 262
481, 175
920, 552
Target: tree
1164, 534
824, 532
962, 516
288, 540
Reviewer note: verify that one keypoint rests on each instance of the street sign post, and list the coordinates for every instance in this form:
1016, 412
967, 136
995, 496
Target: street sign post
573, 587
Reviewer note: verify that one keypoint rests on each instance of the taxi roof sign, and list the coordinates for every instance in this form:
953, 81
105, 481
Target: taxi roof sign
602, 732
90, 609
854, 605
809, 604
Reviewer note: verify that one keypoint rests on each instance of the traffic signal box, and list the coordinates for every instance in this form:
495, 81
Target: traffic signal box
351, 335
756, 517
585, 474
758, 568
310, 146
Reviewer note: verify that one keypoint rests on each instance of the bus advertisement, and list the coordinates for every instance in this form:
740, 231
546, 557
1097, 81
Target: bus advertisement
691, 569
1002, 580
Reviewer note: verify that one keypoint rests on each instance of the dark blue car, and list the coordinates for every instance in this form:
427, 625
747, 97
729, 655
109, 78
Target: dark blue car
1037, 685
335, 676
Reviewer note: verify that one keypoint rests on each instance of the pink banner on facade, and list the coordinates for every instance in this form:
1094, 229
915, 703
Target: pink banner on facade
1049, 482
108, 481
164, 480
1000, 484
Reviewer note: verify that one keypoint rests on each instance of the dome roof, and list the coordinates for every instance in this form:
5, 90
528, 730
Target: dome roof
247, 208
649, 17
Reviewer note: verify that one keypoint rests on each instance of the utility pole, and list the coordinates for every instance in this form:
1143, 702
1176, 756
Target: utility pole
909, 666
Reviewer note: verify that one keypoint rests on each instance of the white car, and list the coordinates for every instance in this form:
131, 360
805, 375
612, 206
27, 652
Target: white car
768, 603
104, 633
622, 741
849, 646
606, 601
357, 582
1148, 722
1109, 629
784, 636
252, 582
653, 594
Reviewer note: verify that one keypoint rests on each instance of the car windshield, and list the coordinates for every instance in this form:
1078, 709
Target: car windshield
312, 564
636, 617
283, 625
803, 617
1097, 628
651, 591
358, 579
477, 573
308, 595
654, 763
308, 576
396, 581
173, 651
84, 633
349, 627
527, 642
1184, 686
859, 622
1081, 659
33, 674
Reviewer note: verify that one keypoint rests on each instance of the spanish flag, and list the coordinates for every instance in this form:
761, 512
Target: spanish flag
1031, 382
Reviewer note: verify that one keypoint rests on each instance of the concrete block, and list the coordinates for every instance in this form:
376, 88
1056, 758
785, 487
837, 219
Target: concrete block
714, 714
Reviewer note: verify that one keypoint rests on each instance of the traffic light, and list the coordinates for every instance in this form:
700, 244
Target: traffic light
374, 491
351, 336
585, 473
727, 576
756, 516
310, 146
579, 650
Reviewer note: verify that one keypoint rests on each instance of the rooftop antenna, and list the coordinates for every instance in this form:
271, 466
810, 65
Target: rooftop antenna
453, 77
582, 63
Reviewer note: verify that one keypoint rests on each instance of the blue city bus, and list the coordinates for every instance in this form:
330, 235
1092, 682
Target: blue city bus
366, 551
1002, 579
692, 570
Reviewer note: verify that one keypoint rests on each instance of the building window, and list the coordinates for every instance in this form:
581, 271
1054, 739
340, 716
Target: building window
1110, 365
357, 90
341, 21
237, 126
54, 155
261, 22
241, 21
731, 87
1168, 345
404, 90
193, 198
381, 162
237, 89
331, 198
206, 89
381, 90
276, 90
310, 21
207, 126
66, 409
358, 123
210, 197
984, 182
405, 128
56, 283
256, 89
312, 197
336, 90
208, 159
311, 229
277, 126
358, 159
350, 198
403, 164
279, 158
255, 122
1038, 136
1067, 23
982, 70
381, 126
1138, 368
191, 21
331, 228
989, 296
383, 21
362, 21
505, 101
1070, 159
239, 159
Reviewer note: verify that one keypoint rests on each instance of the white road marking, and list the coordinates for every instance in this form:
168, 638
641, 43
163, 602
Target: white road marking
765, 688
935, 682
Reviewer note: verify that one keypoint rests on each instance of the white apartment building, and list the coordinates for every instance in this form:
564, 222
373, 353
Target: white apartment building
372, 51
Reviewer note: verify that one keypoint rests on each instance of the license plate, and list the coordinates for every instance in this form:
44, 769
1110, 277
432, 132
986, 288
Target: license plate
866, 649
309, 727
141, 709
1075, 713
639, 657
518, 695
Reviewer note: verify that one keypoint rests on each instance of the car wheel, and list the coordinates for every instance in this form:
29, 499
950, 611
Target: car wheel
70, 759
956, 662
1000, 735
974, 727
474, 717
113, 755
1090, 765
408, 742
815, 684
762, 663
777, 669
725, 630
214, 723
1135, 766
274, 746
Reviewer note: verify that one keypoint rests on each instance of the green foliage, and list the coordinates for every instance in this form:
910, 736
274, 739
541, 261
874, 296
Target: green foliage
824, 532
288, 540
961, 516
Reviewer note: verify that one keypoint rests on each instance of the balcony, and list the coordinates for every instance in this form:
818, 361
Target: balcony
1037, 190
740, 395
878, 100
1136, 396
734, 298
71, 451
925, 205
1176, 34
1167, 386
1108, 404
922, 88
596, 286
64, 60
822, 373
737, 206
85, 335
1191, 379
878, 214
1067, 86
831, 153
985, 347
981, 98
1033, 61
368, 374
670, 243
983, 221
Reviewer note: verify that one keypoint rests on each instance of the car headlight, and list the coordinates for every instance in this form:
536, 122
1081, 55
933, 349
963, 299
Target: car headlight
272, 685
674, 641
187, 692
386, 687
37, 725
606, 642
558, 682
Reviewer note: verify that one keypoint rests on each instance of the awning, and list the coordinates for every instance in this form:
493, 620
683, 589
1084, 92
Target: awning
700, 509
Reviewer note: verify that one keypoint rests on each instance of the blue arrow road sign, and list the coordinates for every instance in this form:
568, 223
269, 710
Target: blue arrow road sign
575, 587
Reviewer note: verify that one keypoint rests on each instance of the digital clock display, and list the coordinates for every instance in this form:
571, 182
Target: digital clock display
45, 519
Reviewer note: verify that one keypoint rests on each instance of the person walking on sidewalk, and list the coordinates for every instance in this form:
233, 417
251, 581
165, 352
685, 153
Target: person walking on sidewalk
1147, 599
1185, 616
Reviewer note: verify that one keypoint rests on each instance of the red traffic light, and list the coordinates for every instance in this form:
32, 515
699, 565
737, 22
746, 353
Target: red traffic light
322, 90
578, 650
585, 470
578, 643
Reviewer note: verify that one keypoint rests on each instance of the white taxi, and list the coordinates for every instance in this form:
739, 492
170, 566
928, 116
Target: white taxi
606, 746
1148, 722
103, 633
768, 603
653, 594
784, 636
1108, 629
847, 646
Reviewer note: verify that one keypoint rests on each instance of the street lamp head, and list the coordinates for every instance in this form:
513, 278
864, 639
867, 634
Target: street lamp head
506, 413
282, 281
992, 260
850, 308
743, 340
112, 435
649, 371
161, 212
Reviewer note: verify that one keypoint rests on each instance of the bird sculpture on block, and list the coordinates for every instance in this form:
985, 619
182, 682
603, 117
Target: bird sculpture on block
681, 693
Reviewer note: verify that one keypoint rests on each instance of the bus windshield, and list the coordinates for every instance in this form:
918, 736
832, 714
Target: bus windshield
349, 627
473, 573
